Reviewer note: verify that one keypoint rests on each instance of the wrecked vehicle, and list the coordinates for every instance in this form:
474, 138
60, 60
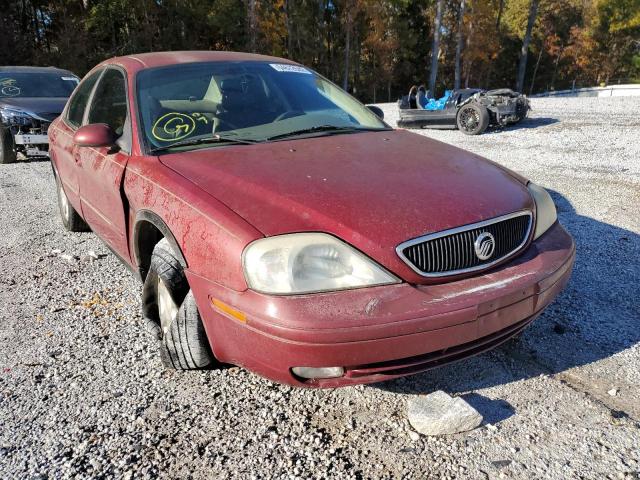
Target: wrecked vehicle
469, 110
278, 224
30, 99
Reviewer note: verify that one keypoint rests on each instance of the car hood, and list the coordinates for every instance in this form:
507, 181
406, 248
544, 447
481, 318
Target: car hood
374, 190
47, 108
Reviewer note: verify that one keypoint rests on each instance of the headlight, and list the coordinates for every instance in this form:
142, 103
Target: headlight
14, 117
545, 209
309, 262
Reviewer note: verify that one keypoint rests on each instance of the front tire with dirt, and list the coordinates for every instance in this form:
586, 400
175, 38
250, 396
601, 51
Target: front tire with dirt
171, 304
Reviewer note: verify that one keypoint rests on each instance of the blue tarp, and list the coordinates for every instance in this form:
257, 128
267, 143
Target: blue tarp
434, 104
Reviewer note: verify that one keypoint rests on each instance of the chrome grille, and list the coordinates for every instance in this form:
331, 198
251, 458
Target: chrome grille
452, 251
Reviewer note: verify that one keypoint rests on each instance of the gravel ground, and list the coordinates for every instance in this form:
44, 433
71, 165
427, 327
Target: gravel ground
83, 393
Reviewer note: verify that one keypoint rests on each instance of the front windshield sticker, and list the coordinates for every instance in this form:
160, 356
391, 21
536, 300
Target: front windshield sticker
174, 126
8, 87
284, 67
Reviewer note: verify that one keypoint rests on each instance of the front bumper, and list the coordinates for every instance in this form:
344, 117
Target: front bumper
384, 332
34, 145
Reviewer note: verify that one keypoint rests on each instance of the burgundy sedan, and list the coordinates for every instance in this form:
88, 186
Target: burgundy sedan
280, 225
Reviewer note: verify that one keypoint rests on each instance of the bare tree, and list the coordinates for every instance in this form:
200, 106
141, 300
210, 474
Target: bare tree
522, 68
555, 66
289, 23
347, 48
435, 49
252, 24
535, 70
499, 16
459, 45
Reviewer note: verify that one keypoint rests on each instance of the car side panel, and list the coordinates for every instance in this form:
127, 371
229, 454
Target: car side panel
428, 118
100, 190
210, 236
439, 118
62, 154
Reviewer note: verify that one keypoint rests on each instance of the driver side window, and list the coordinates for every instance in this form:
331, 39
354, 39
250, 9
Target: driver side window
78, 102
110, 101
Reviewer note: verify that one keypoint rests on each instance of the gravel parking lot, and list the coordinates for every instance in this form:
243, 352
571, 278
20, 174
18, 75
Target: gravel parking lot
83, 393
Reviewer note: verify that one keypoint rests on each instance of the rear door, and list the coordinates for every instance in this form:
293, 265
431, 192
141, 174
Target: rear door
102, 168
64, 153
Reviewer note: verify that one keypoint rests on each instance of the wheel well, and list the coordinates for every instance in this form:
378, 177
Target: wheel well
147, 236
148, 230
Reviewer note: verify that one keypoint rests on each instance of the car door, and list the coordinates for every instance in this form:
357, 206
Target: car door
64, 154
102, 168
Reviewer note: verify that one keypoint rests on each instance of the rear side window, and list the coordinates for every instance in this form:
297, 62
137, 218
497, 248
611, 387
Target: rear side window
109, 104
78, 102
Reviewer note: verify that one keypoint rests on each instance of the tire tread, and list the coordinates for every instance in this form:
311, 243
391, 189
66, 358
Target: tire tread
185, 345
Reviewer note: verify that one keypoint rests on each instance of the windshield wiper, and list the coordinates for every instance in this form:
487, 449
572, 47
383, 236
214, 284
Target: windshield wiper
323, 128
203, 140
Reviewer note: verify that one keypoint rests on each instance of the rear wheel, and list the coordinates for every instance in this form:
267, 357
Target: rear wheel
70, 218
7, 148
472, 119
169, 300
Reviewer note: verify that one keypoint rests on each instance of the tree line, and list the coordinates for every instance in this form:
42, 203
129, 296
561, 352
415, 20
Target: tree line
375, 49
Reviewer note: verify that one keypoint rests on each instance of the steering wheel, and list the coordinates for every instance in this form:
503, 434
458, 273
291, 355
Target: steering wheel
288, 114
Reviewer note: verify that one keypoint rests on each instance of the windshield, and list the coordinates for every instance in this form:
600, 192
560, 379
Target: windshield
250, 101
54, 84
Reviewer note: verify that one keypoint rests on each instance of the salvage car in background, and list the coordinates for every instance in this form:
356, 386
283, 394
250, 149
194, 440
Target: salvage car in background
30, 99
278, 224
469, 110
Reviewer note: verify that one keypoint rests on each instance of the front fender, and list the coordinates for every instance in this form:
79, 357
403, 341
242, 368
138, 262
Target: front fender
208, 236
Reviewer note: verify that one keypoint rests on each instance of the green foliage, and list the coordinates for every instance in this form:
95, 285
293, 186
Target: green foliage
586, 41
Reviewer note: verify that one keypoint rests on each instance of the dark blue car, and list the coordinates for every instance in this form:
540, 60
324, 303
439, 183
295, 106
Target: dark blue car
30, 99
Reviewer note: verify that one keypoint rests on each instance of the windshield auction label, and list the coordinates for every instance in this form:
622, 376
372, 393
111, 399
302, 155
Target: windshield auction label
284, 67
9, 87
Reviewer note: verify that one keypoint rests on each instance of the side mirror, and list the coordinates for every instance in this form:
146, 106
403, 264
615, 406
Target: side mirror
95, 135
377, 110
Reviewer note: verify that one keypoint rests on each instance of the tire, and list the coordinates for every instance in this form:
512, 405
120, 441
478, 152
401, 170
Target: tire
7, 150
472, 119
522, 111
168, 301
71, 220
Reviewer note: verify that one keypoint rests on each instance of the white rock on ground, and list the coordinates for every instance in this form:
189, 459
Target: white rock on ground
66, 257
440, 414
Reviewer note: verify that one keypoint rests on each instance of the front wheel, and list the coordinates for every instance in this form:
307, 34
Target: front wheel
171, 304
472, 119
7, 150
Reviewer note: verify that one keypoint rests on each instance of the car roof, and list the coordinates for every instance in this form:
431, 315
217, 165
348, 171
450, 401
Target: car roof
160, 59
157, 59
27, 69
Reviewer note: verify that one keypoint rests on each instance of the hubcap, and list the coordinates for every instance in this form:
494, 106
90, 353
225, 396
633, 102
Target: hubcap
167, 308
469, 119
64, 203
